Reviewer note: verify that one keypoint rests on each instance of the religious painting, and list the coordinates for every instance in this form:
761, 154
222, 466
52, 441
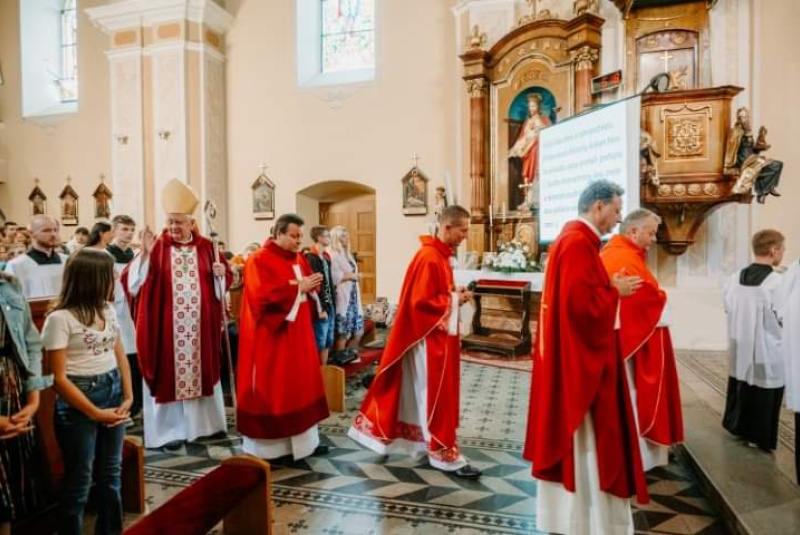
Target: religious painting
69, 206
673, 52
38, 201
415, 193
263, 198
102, 201
531, 111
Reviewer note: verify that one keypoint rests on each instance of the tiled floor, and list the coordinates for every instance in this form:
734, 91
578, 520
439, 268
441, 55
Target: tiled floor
355, 492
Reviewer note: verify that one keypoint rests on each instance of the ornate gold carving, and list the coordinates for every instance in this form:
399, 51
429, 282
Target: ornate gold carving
478, 39
477, 87
695, 189
679, 190
664, 190
709, 188
686, 134
584, 57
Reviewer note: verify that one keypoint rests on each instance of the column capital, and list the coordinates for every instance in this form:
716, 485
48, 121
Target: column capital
132, 14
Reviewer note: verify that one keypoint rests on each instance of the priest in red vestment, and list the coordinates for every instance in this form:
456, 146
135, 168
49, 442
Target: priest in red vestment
645, 341
412, 405
281, 397
581, 435
176, 306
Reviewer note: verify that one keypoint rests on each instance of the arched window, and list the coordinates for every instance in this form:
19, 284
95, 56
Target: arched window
336, 42
68, 83
347, 35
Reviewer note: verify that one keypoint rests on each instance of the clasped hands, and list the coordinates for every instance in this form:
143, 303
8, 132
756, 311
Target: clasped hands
17, 424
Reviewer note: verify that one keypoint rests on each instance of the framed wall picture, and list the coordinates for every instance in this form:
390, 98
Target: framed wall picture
102, 200
38, 200
415, 192
263, 192
69, 205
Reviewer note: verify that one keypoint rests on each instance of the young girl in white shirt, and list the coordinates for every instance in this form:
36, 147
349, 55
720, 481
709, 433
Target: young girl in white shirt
93, 382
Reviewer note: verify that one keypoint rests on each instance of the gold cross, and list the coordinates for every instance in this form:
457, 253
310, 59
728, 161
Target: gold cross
262, 167
666, 57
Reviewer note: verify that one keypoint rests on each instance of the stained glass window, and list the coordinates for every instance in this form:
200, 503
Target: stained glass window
348, 35
68, 83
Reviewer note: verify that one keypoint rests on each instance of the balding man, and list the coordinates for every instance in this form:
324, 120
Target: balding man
645, 341
40, 269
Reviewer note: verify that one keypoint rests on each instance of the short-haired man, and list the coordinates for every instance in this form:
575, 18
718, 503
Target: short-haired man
645, 341
756, 381
41, 268
177, 310
325, 314
123, 228
281, 397
412, 405
582, 437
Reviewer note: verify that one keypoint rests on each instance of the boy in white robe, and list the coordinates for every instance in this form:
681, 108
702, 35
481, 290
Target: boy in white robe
789, 312
756, 382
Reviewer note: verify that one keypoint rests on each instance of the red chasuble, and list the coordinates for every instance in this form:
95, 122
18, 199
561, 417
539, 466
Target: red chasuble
422, 314
577, 372
280, 390
176, 300
658, 398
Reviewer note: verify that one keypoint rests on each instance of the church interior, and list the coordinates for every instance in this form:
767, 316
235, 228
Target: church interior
373, 116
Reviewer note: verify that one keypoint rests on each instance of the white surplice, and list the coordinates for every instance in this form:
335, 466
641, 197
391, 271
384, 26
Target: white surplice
754, 331
178, 420
38, 280
788, 307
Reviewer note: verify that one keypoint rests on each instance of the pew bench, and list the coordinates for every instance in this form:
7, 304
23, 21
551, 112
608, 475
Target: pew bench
237, 493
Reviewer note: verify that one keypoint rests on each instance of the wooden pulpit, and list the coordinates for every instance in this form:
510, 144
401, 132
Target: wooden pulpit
689, 129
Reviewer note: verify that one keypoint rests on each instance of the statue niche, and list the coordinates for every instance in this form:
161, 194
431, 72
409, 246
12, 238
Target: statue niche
531, 111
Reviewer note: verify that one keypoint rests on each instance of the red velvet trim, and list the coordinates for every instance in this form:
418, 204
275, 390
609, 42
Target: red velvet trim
198, 508
282, 425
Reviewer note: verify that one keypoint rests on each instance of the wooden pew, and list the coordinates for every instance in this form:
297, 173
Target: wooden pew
237, 493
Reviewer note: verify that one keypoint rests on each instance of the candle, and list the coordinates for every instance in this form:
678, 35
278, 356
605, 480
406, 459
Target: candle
448, 190
504, 211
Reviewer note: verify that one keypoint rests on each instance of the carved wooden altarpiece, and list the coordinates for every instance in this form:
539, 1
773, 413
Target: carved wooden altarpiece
552, 58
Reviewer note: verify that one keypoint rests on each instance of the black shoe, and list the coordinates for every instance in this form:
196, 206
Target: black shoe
775, 193
219, 435
468, 472
173, 446
322, 449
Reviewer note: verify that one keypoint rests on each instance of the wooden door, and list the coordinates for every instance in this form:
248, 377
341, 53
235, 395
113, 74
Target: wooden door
357, 214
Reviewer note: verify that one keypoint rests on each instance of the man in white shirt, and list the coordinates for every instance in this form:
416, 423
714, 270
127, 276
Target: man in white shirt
40, 269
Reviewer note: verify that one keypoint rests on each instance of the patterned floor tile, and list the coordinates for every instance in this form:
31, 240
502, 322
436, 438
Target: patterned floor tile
356, 492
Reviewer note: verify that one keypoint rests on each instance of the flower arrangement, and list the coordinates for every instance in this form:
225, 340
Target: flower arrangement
513, 256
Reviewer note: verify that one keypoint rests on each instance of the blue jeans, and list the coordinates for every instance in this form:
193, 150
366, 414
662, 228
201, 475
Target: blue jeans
85, 443
323, 331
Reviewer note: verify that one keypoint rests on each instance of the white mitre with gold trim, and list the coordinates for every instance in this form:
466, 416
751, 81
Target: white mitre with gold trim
179, 198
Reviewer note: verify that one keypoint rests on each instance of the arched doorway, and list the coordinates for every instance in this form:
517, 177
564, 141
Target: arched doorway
352, 205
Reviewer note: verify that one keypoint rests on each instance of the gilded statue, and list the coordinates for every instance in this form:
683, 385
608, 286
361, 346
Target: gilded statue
581, 7
743, 159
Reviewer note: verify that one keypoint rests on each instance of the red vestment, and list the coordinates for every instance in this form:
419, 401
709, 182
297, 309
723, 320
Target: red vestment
577, 372
162, 304
530, 160
658, 399
280, 392
422, 314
